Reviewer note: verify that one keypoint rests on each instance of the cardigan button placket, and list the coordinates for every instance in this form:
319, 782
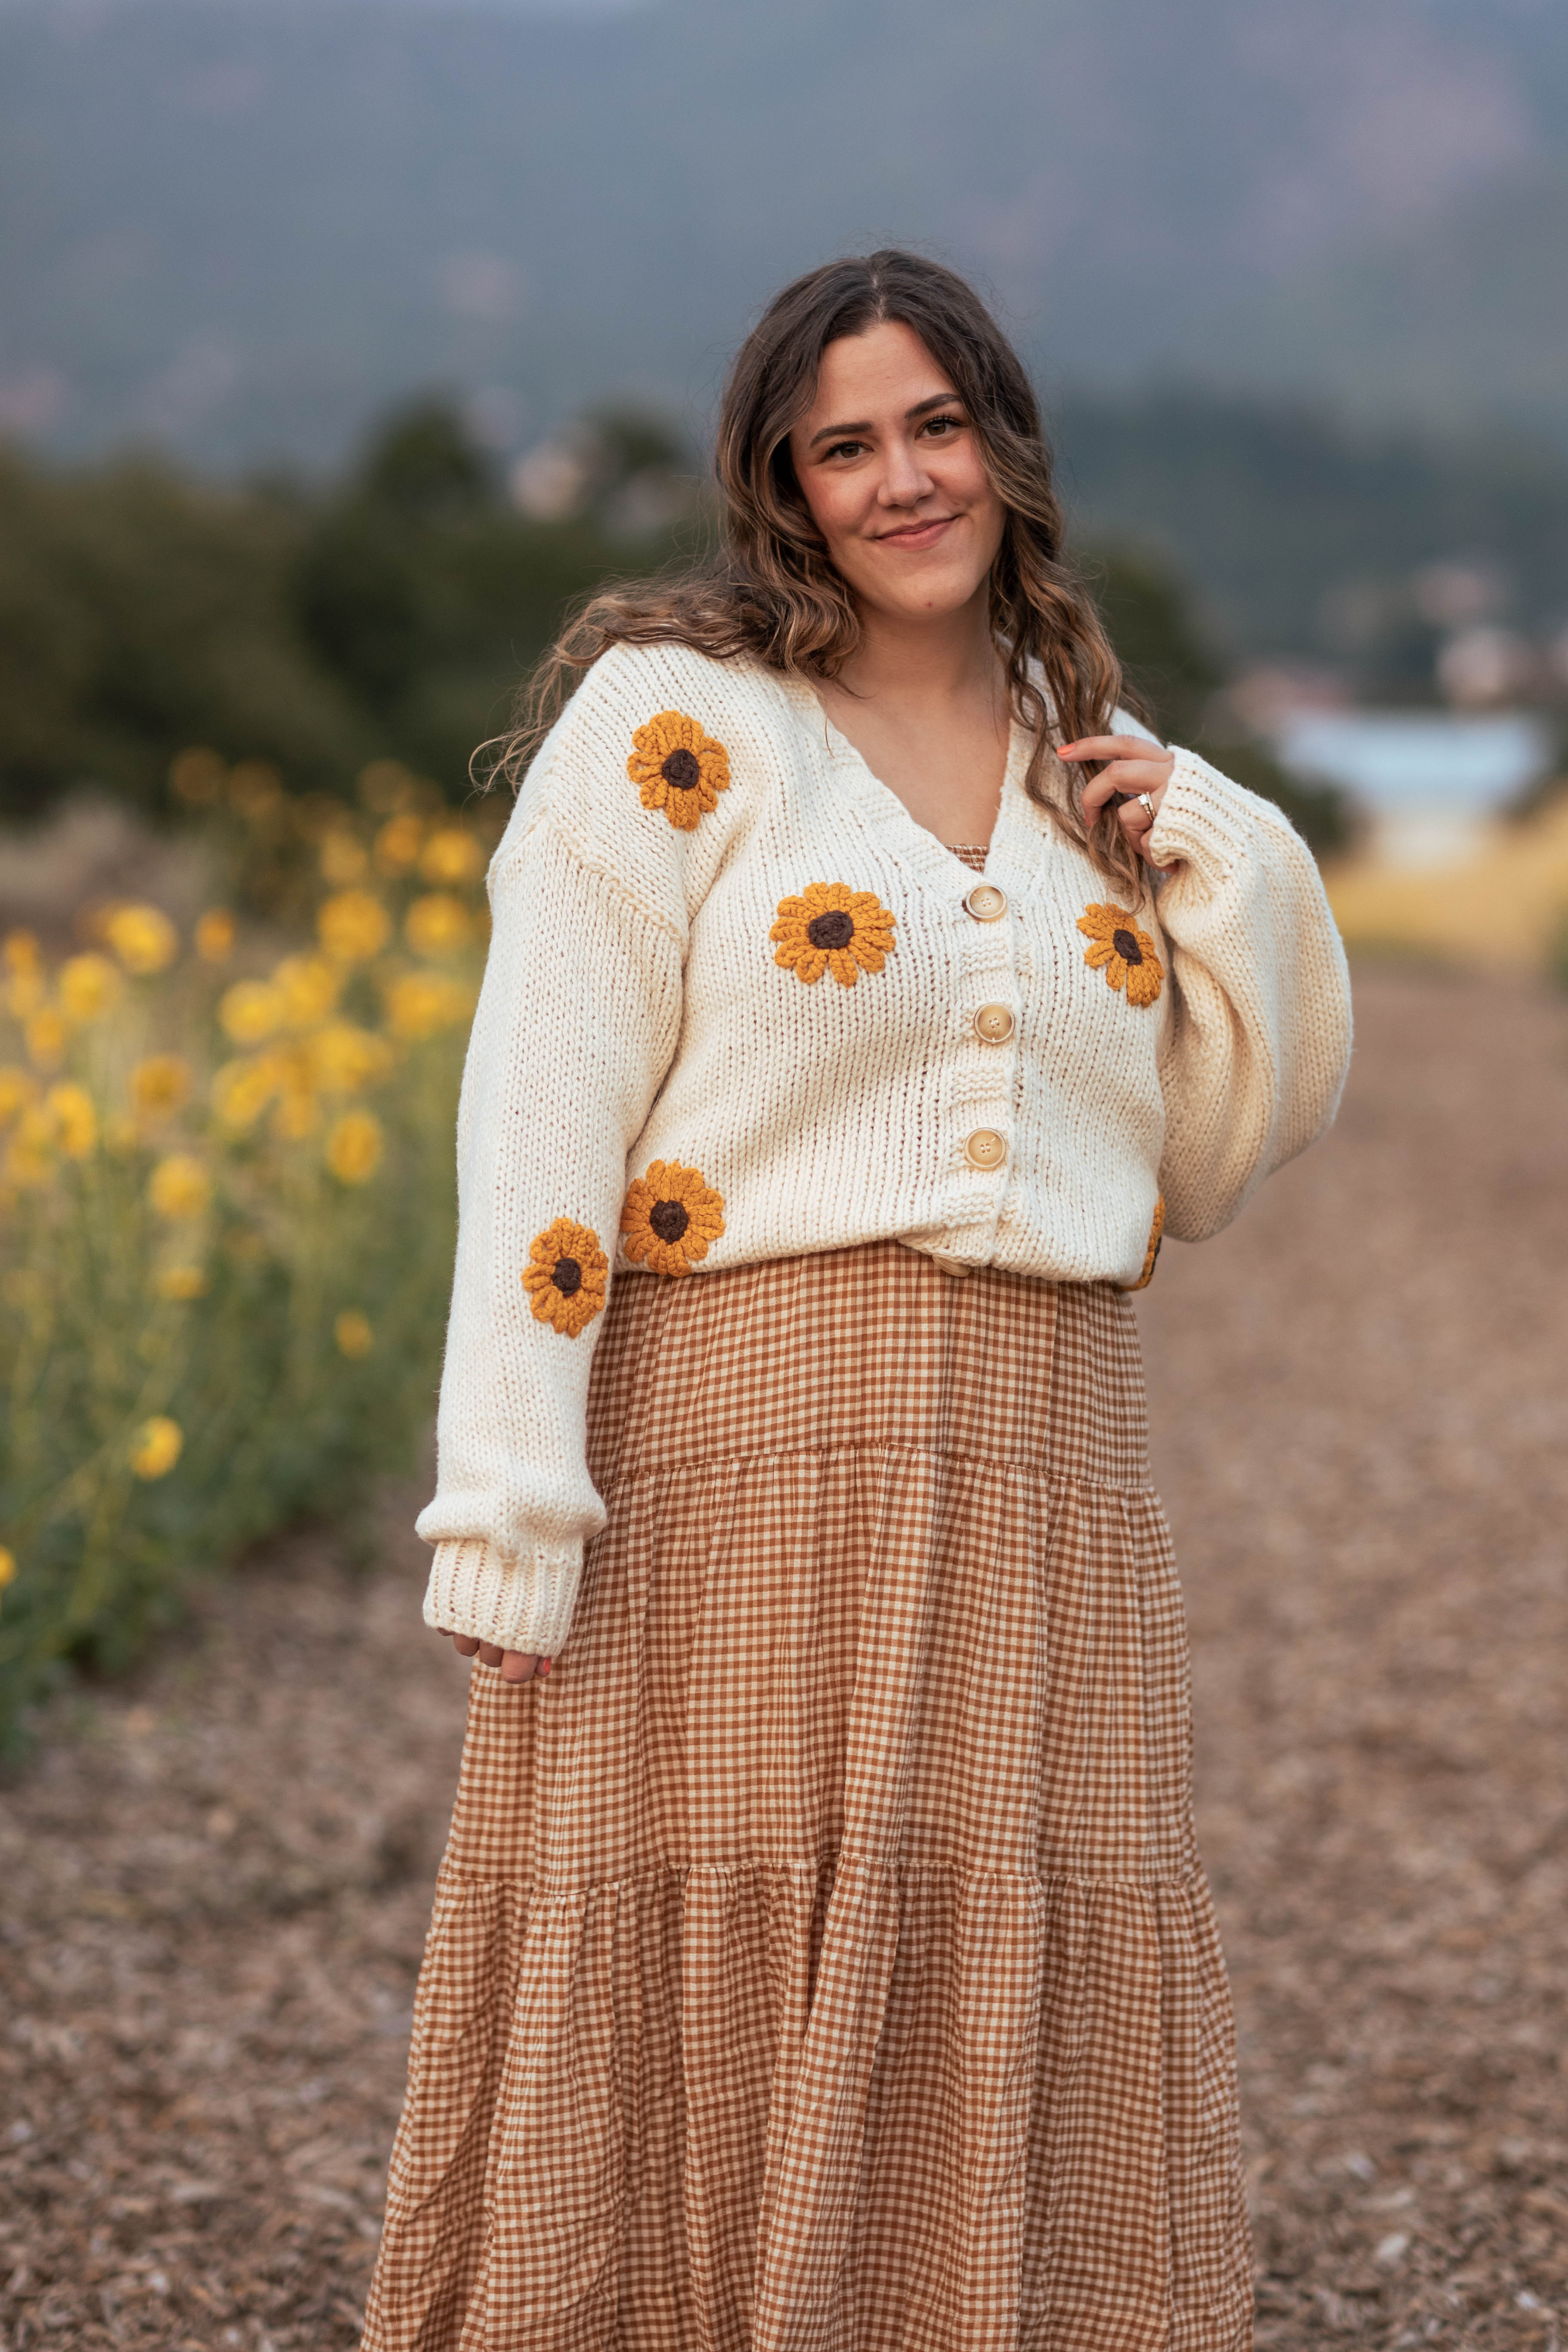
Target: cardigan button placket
985, 1148
987, 903
993, 1024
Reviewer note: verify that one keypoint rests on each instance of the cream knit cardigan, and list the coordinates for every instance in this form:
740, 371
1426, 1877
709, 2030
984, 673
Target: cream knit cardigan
684, 1023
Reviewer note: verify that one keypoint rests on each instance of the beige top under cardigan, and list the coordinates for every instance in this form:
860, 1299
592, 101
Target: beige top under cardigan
740, 1005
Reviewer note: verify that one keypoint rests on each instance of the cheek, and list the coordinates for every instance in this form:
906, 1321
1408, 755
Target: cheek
834, 505
971, 482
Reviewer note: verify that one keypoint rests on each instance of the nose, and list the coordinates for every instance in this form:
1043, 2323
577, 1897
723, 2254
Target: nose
904, 479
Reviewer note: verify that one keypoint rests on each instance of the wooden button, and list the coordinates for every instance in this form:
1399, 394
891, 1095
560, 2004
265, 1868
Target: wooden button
986, 902
993, 1024
984, 1148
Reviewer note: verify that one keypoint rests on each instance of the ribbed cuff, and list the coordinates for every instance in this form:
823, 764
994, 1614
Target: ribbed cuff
522, 1605
1207, 821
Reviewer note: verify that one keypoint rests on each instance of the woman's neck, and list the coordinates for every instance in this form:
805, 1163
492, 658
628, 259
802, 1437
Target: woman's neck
925, 705
920, 665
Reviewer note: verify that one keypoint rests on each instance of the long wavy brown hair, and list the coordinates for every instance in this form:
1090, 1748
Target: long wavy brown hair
771, 591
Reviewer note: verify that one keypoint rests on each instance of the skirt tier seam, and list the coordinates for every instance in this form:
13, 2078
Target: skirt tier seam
885, 1449
1181, 1880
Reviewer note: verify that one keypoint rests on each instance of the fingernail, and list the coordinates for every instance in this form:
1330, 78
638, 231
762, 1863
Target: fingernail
542, 1667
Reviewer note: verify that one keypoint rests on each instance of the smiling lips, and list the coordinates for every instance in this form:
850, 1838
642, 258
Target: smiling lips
916, 535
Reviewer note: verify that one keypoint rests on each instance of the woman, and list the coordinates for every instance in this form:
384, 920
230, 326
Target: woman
821, 1957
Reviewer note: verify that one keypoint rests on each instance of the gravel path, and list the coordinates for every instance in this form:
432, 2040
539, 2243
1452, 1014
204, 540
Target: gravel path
213, 1879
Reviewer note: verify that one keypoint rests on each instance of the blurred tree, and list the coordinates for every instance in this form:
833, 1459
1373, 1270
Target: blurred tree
140, 614
1173, 676
421, 589
392, 613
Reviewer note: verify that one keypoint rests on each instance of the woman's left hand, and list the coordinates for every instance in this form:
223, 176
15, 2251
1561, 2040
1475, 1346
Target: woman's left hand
1132, 766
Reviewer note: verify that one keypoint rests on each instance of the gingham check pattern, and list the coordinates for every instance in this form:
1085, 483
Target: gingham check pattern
821, 1960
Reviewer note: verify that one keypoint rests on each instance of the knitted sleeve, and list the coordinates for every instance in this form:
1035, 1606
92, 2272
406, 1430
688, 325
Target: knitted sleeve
1258, 1041
577, 1022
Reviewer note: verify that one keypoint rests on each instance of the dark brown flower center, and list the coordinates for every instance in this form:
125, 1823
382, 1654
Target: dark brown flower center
567, 1277
682, 771
669, 1219
1127, 947
834, 930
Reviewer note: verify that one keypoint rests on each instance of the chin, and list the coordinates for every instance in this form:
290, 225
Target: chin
928, 600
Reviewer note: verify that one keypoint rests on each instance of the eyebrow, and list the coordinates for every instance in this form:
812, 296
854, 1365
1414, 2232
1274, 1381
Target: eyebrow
843, 432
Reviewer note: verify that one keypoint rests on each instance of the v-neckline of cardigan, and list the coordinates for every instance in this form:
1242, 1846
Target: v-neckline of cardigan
918, 847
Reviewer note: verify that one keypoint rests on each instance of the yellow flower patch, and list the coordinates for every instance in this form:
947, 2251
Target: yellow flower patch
89, 985
157, 1446
181, 1282
831, 927
75, 1120
144, 939
352, 925
214, 935
180, 1188
251, 1010
1125, 953
354, 1335
354, 1147
566, 1277
672, 1218
678, 767
438, 924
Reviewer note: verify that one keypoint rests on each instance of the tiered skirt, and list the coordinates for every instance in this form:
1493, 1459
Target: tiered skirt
821, 1959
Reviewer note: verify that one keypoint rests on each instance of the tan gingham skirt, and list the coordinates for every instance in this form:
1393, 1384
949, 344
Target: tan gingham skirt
821, 1960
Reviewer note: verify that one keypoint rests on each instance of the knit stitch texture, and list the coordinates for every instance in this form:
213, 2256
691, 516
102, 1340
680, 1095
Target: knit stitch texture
751, 1010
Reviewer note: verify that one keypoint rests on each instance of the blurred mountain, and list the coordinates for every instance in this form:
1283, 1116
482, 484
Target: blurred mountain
239, 228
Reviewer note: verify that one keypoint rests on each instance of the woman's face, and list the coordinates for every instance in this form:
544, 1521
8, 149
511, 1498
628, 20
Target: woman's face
890, 468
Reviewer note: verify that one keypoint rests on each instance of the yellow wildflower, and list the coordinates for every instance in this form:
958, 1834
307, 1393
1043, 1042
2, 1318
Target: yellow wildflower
180, 1187
89, 986
353, 1333
251, 1010
157, 1446
352, 925
181, 1282
18, 1088
342, 857
344, 1058
23, 994
397, 842
197, 776
452, 855
354, 1147
46, 1036
308, 988
28, 1156
242, 1090
19, 952
215, 935
160, 1086
75, 1118
298, 1114
437, 924
144, 939
7, 1567
421, 1002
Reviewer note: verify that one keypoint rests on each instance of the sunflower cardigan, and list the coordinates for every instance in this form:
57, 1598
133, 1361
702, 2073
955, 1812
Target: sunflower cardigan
740, 1005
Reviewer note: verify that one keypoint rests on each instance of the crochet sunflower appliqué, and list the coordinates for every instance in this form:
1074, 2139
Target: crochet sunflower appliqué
1125, 953
565, 1277
830, 928
1156, 1236
670, 1217
678, 767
